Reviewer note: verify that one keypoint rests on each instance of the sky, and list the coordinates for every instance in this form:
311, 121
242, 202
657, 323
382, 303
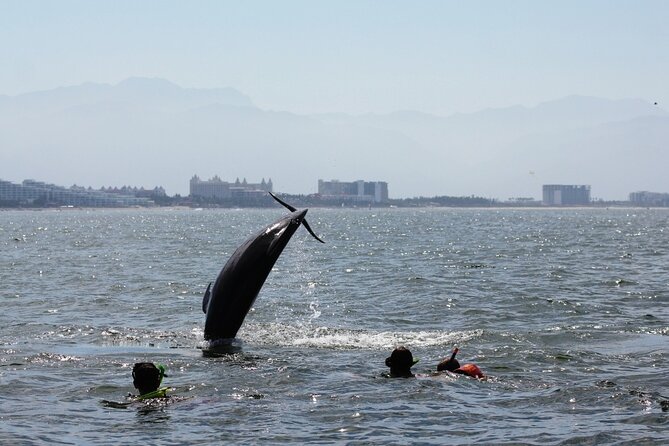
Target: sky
356, 56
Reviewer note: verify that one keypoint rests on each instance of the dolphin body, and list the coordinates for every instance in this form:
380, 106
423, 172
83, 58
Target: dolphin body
242, 277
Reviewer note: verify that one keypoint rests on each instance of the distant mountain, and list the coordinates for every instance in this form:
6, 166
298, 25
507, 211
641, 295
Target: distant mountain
156, 94
511, 152
149, 132
616, 157
513, 122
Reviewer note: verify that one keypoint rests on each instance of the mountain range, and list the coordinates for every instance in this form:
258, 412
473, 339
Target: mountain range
150, 132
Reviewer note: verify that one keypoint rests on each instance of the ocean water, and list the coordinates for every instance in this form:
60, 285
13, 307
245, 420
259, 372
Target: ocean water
565, 311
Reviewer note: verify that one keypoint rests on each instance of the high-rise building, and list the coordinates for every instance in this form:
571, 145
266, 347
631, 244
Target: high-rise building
645, 198
565, 195
358, 191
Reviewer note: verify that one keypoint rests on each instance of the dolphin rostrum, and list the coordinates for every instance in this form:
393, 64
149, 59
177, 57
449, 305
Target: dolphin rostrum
239, 282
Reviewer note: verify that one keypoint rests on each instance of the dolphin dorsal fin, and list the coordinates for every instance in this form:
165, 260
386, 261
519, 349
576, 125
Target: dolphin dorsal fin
293, 209
205, 300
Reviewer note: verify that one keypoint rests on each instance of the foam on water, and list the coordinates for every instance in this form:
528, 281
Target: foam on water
340, 338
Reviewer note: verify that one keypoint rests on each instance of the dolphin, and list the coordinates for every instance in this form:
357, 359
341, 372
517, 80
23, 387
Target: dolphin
239, 282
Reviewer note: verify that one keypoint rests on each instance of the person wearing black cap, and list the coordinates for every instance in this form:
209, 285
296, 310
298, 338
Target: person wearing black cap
146, 378
400, 362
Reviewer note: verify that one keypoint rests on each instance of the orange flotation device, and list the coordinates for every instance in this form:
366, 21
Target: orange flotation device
469, 370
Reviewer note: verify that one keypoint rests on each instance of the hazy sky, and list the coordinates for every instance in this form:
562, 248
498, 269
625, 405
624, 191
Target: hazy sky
347, 56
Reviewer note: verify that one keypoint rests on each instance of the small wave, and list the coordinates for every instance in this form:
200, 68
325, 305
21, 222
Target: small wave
476, 265
48, 358
620, 282
120, 336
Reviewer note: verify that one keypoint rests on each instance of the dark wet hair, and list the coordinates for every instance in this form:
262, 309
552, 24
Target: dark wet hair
146, 377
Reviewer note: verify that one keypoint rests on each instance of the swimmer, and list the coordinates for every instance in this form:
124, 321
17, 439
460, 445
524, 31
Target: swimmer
400, 362
146, 378
452, 365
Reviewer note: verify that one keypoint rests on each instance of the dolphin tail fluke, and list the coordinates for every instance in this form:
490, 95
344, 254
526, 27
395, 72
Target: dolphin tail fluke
205, 300
283, 203
308, 228
293, 209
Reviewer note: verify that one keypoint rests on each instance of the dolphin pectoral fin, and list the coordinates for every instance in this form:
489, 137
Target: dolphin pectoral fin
205, 300
292, 209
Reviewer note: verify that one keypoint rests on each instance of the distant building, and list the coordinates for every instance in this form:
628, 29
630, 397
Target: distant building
644, 198
565, 195
357, 191
217, 188
157, 191
32, 193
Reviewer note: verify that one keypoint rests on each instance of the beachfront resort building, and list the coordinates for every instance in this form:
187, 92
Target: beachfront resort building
217, 188
357, 191
565, 195
38, 193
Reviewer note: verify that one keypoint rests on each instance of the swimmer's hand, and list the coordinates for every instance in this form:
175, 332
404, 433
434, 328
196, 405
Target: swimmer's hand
115, 404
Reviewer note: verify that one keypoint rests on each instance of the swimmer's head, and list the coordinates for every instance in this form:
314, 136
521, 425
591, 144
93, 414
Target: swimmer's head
400, 362
146, 377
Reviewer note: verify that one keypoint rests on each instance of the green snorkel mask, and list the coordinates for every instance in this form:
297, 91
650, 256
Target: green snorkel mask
162, 373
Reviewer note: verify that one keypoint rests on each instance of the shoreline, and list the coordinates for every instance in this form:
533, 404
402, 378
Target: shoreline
361, 208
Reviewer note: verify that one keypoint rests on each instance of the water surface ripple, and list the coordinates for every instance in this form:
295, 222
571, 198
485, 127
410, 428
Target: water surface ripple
565, 309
